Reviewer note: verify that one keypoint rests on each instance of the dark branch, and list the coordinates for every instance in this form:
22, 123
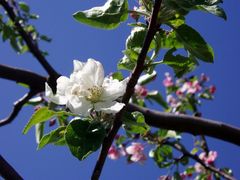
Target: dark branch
180, 148
32, 45
153, 26
33, 80
189, 124
17, 107
7, 171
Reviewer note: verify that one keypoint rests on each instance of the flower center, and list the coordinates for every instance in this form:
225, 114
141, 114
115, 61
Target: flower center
94, 94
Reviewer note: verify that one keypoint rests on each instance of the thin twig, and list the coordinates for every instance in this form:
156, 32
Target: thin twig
129, 90
180, 148
32, 45
7, 171
17, 107
189, 124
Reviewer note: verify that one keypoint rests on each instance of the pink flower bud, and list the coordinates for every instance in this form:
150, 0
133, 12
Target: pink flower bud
212, 89
141, 91
204, 78
113, 153
168, 82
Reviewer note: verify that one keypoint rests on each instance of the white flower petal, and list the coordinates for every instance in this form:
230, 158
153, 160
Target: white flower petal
63, 84
109, 107
79, 105
92, 73
112, 89
57, 99
77, 65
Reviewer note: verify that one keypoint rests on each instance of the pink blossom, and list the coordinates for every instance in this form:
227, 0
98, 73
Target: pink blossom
138, 157
191, 87
113, 153
168, 82
212, 155
136, 152
172, 101
141, 90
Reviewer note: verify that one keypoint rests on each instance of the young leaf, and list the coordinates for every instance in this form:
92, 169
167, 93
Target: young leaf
135, 123
24, 7
194, 43
41, 115
83, 138
39, 128
53, 137
146, 78
215, 10
108, 16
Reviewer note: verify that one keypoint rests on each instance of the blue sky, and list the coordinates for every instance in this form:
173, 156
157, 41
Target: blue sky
72, 40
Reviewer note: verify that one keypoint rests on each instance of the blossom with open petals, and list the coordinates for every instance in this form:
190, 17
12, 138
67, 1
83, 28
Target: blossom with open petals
136, 152
87, 89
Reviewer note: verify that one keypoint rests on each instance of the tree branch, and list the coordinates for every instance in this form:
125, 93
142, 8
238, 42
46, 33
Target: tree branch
7, 171
189, 124
180, 148
35, 81
17, 107
153, 26
32, 45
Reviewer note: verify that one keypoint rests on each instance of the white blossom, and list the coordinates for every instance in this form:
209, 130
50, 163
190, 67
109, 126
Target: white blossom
87, 89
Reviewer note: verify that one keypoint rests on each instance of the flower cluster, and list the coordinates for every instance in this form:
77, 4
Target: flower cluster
134, 152
87, 90
185, 94
207, 159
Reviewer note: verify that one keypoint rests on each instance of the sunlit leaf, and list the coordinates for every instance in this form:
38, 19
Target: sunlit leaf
108, 16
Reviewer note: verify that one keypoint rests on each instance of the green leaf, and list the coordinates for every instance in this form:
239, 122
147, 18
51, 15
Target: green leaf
24, 7
135, 123
146, 78
39, 128
194, 43
126, 64
53, 137
83, 138
117, 75
129, 60
108, 16
167, 40
180, 64
41, 115
215, 10
163, 156
136, 38
157, 97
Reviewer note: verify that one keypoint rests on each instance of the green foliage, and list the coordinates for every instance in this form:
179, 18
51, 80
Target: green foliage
41, 115
135, 123
180, 64
83, 137
147, 78
194, 43
39, 128
108, 16
163, 156
56, 137
24, 7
